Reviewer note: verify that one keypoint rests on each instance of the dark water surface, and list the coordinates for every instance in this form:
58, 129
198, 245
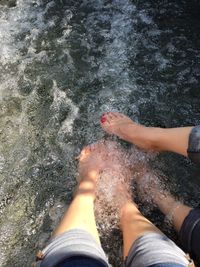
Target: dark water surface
62, 64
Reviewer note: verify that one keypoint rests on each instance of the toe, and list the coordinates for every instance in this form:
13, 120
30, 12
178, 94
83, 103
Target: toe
122, 115
110, 116
115, 115
100, 147
119, 115
85, 153
105, 120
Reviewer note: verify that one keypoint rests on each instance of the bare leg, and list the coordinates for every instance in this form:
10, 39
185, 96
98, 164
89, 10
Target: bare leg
159, 139
150, 187
80, 214
175, 140
134, 225
175, 210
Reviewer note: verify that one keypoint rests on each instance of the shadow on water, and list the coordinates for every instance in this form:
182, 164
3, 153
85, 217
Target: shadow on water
64, 64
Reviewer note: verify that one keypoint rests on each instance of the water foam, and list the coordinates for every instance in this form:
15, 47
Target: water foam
117, 184
89, 57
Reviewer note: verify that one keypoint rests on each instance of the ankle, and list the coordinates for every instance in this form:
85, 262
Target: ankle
128, 210
146, 137
154, 138
86, 189
159, 138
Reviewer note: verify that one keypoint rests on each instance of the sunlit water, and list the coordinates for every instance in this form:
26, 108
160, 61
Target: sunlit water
64, 63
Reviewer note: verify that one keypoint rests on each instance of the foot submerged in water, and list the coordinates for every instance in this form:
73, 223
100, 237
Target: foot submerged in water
92, 161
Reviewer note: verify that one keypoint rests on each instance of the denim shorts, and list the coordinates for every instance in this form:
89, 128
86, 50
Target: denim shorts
194, 144
75, 245
190, 233
77, 248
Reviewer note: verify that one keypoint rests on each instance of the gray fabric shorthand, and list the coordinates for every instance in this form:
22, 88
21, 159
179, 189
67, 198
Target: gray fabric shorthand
194, 144
75, 242
154, 248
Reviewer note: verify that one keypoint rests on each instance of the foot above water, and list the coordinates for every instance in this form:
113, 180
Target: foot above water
118, 124
126, 129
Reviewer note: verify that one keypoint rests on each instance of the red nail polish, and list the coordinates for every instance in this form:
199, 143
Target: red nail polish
103, 119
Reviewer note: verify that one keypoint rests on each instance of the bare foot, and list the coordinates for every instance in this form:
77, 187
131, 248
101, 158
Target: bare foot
122, 126
151, 189
92, 161
123, 191
114, 186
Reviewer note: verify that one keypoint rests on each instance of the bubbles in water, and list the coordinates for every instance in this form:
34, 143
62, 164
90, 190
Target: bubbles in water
145, 18
116, 184
64, 63
150, 185
56, 212
128, 175
63, 107
169, 217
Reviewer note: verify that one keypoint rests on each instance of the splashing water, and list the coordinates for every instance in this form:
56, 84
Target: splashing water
64, 63
116, 184
148, 184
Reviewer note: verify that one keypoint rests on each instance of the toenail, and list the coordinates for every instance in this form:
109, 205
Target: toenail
103, 119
